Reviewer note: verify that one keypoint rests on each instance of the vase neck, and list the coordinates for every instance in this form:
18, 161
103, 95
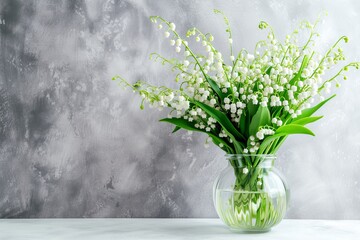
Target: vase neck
251, 160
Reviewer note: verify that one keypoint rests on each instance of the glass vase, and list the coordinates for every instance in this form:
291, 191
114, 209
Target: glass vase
250, 194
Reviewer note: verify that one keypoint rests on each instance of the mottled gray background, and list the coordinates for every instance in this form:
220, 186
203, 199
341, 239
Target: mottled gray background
74, 144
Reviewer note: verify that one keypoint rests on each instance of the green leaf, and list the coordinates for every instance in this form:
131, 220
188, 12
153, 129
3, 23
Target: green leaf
269, 140
306, 120
177, 128
304, 63
283, 132
217, 141
261, 118
221, 118
182, 123
268, 70
252, 108
244, 124
310, 111
216, 88
294, 129
229, 128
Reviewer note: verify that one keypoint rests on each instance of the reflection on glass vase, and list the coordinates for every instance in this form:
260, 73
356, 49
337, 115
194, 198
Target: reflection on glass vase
249, 194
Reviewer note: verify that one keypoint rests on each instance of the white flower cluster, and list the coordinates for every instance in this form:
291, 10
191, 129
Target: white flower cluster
263, 132
254, 141
283, 77
181, 105
236, 109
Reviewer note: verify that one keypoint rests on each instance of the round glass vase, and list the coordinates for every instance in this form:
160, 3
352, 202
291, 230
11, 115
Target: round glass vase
250, 194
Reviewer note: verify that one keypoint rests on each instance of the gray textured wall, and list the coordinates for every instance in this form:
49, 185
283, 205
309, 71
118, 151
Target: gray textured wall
74, 144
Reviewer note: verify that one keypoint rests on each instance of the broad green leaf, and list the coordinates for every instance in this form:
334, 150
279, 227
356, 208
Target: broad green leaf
283, 132
244, 124
216, 88
304, 63
261, 118
252, 108
217, 141
269, 140
306, 120
223, 120
310, 111
268, 70
294, 129
182, 123
177, 128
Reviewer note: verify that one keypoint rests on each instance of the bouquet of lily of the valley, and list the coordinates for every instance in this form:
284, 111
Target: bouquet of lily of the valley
248, 102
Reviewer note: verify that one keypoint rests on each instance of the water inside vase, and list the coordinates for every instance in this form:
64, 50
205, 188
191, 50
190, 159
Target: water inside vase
250, 211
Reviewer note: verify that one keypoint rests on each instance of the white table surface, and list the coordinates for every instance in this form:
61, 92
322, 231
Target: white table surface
89, 229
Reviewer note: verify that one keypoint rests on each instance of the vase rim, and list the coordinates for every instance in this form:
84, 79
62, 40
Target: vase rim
250, 155
243, 160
